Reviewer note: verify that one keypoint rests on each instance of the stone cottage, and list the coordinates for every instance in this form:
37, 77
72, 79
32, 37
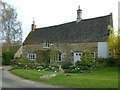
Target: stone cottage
67, 41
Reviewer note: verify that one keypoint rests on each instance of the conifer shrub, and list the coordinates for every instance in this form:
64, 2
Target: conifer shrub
7, 57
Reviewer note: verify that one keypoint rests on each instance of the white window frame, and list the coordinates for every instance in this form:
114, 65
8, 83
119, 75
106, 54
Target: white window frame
46, 45
31, 56
77, 54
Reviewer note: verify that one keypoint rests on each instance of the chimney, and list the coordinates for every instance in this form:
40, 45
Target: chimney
79, 14
33, 26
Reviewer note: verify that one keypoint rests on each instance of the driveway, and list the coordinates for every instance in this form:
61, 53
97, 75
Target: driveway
12, 81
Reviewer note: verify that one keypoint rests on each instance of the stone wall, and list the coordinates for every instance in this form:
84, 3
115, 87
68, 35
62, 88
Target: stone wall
66, 48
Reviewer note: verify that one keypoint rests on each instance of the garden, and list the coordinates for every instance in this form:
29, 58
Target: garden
103, 78
87, 73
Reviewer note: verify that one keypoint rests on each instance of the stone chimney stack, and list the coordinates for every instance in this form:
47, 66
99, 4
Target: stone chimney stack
33, 26
79, 14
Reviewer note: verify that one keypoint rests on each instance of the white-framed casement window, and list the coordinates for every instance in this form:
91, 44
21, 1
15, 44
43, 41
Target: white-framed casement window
31, 56
46, 45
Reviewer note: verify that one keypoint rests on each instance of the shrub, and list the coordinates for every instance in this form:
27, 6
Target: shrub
47, 68
22, 60
87, 61
43, 56
101, 62
107, 62
112, 62
7, 57
66, 65
23, 63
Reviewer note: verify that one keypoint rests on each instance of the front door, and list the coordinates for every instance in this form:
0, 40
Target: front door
77, 56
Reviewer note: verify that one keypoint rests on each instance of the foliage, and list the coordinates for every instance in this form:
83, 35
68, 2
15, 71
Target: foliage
43, 56
86, 64
12, 48
11, 28
66, 65
113, 43
112, 62
7, 57
87, 61
47, 68
24, 63
23, 60
101, 62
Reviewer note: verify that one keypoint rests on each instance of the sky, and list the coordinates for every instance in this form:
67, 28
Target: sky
54, 12
119, 14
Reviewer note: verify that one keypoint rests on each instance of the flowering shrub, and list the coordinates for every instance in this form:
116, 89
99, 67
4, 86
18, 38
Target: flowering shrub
87, 64
24, 63
47, 68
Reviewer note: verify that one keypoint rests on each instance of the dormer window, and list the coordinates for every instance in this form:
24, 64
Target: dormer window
46, 45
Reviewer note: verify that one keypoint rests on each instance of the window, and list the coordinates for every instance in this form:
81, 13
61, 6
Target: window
76, 54
46, 45
93, 54
80, 54
59, 57
32, 56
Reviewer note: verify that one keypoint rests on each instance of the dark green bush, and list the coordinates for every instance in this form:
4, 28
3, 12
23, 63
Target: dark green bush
78, 63
43, 56
7, 57
101, 62
107, 62
112, 62
66, 65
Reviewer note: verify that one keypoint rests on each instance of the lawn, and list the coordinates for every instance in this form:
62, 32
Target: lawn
104, 78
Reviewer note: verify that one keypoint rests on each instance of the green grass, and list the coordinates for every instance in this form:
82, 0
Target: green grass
30, 74
104, 78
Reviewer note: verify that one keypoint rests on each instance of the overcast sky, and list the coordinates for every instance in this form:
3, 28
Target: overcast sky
53, 12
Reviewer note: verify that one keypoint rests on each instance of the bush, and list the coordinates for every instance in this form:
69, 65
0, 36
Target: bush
47, 68
43, 56
7, 57
107, 62
112, 62
23, 63
66, 65
101, 62
87, 61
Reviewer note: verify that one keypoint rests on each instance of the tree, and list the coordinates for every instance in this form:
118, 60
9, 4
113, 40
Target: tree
11, 28
113, 43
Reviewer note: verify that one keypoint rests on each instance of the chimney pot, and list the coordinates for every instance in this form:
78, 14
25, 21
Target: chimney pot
79, 14
33, 26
